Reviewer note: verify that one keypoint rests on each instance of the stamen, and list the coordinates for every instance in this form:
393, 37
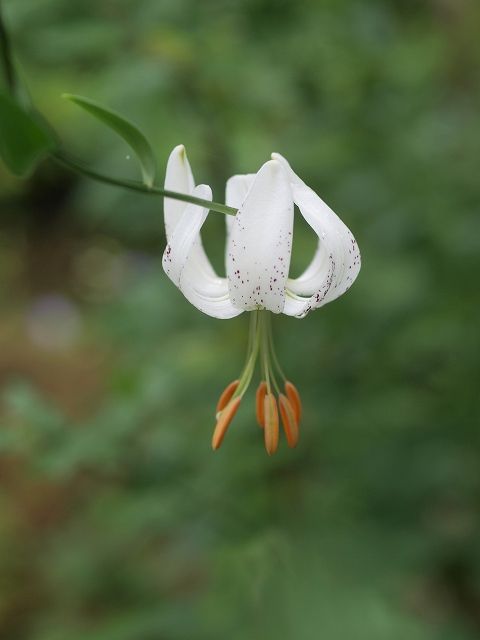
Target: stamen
294, 397
289, 420
226, 396
271, 423
261, 392
223, 422
269, 410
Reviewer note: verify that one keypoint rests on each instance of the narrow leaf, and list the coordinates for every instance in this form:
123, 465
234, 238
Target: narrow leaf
128, 131
23, 140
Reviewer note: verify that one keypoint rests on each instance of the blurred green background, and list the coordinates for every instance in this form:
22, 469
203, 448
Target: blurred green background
117, 522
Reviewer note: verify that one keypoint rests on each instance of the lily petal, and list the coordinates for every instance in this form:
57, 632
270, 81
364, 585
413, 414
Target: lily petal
260, 243
235, 194
179, 178
237, 189
207, 292
336, 262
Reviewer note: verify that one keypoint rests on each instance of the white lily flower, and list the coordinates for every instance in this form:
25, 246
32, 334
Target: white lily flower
257, 260
259, 244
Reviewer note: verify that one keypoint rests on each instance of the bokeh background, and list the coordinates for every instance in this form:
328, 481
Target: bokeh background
117, 522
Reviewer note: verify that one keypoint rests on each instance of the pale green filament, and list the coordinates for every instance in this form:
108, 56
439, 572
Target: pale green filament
260, 345
272, 349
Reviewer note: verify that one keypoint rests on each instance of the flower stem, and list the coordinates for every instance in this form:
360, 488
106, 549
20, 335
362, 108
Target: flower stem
67, 162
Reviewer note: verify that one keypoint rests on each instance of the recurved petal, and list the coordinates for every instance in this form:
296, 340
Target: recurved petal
235, 194
237, 189
207, 292
179, 178
260, 242
336, 262
209, 296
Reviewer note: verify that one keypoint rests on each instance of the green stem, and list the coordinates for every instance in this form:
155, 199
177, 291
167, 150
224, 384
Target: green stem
6, 55
133, 185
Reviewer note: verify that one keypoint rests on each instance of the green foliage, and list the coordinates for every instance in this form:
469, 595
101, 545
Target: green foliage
129, 132
117, 522
23, 139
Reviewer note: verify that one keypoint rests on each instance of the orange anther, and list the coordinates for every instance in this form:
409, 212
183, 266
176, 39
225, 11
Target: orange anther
223, 422
294, 397
271, 423
289, 420
261, 392
226, 395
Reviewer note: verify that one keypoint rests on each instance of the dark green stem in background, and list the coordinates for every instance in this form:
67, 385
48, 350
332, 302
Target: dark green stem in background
6, 55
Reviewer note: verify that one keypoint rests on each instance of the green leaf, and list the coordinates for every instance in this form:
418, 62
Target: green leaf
128, 131
23, 140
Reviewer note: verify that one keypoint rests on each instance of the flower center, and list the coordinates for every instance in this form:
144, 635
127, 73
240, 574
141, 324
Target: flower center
270, 400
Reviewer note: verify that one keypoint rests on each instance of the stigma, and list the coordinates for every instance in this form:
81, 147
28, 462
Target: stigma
277, 400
